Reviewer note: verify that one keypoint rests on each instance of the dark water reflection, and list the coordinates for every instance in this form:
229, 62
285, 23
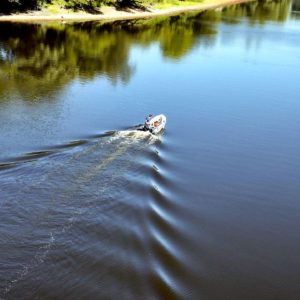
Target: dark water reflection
91, 208
38, 60
59, 54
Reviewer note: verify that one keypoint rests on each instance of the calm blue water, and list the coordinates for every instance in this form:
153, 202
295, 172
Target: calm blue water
91, 208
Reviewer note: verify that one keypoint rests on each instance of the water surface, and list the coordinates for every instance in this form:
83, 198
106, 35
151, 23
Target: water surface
92, 209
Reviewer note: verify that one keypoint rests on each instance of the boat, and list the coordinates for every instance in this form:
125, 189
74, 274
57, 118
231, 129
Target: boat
155, 124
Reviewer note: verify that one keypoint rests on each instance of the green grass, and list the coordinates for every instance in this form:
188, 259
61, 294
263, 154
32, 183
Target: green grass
55, 7
58, 6
161, 4
175, 3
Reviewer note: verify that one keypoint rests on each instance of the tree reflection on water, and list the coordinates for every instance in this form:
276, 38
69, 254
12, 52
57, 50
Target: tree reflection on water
45, 58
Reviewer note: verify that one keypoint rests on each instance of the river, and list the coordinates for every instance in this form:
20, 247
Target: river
210, 209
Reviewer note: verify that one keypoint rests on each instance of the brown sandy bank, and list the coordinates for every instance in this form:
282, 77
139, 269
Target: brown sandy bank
110, 13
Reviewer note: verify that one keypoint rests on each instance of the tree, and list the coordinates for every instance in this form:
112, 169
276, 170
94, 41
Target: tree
8, 6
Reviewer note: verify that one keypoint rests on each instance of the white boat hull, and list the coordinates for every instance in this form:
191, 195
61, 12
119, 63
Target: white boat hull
156, 124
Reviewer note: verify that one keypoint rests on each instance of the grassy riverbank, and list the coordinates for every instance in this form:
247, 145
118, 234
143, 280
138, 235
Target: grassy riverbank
59, 5
110, 11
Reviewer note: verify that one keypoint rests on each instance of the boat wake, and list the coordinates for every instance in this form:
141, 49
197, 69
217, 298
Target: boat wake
62, 183
131, 135
92, 198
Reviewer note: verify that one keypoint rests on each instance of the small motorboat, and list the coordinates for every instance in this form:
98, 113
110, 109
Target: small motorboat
155, 124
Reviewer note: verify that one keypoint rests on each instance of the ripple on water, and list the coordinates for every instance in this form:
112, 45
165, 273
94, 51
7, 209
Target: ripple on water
90, 212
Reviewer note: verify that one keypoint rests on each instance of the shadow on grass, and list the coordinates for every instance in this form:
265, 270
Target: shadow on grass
127, 5
89, 10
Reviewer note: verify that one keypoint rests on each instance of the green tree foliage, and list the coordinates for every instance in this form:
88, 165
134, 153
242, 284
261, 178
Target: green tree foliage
7, 6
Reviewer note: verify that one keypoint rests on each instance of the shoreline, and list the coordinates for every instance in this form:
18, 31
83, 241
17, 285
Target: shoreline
111, 14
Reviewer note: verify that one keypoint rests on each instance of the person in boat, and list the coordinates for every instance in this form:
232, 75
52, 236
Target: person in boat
148, 118
147, 122
157, 123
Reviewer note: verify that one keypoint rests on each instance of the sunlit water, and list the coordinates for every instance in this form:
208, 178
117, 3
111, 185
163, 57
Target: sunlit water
91, 208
